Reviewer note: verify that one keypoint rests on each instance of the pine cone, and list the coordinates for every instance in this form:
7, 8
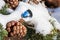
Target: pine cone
12, 3
16, 29
22, 21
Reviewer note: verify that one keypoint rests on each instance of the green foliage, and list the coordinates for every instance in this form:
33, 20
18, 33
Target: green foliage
1, 27
31, 35
58, 35
3, 10
3, 32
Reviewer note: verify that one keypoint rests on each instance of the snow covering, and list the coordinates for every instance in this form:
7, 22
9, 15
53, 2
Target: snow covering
15, 15
9, 10
40, 17
55, 23
2, 4
56, 15
25, 0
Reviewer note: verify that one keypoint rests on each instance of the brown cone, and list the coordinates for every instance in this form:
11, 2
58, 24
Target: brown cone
16, 28
12, 3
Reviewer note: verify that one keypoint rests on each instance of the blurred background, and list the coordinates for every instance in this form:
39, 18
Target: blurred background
53, 7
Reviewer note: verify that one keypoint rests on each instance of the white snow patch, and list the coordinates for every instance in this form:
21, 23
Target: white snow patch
15, 15
2, 4
55, 23
9, 10
40, 17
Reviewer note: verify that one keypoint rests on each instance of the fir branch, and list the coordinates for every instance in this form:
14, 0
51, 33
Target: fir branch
3, 10
3, 32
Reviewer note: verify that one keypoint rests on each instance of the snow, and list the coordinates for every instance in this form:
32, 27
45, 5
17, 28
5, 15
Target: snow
40, 17
15, 15
25, 0
55, 23
9, 10
55, 17
2, 4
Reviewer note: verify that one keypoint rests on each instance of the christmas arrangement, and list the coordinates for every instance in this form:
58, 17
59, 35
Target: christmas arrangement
26, 21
